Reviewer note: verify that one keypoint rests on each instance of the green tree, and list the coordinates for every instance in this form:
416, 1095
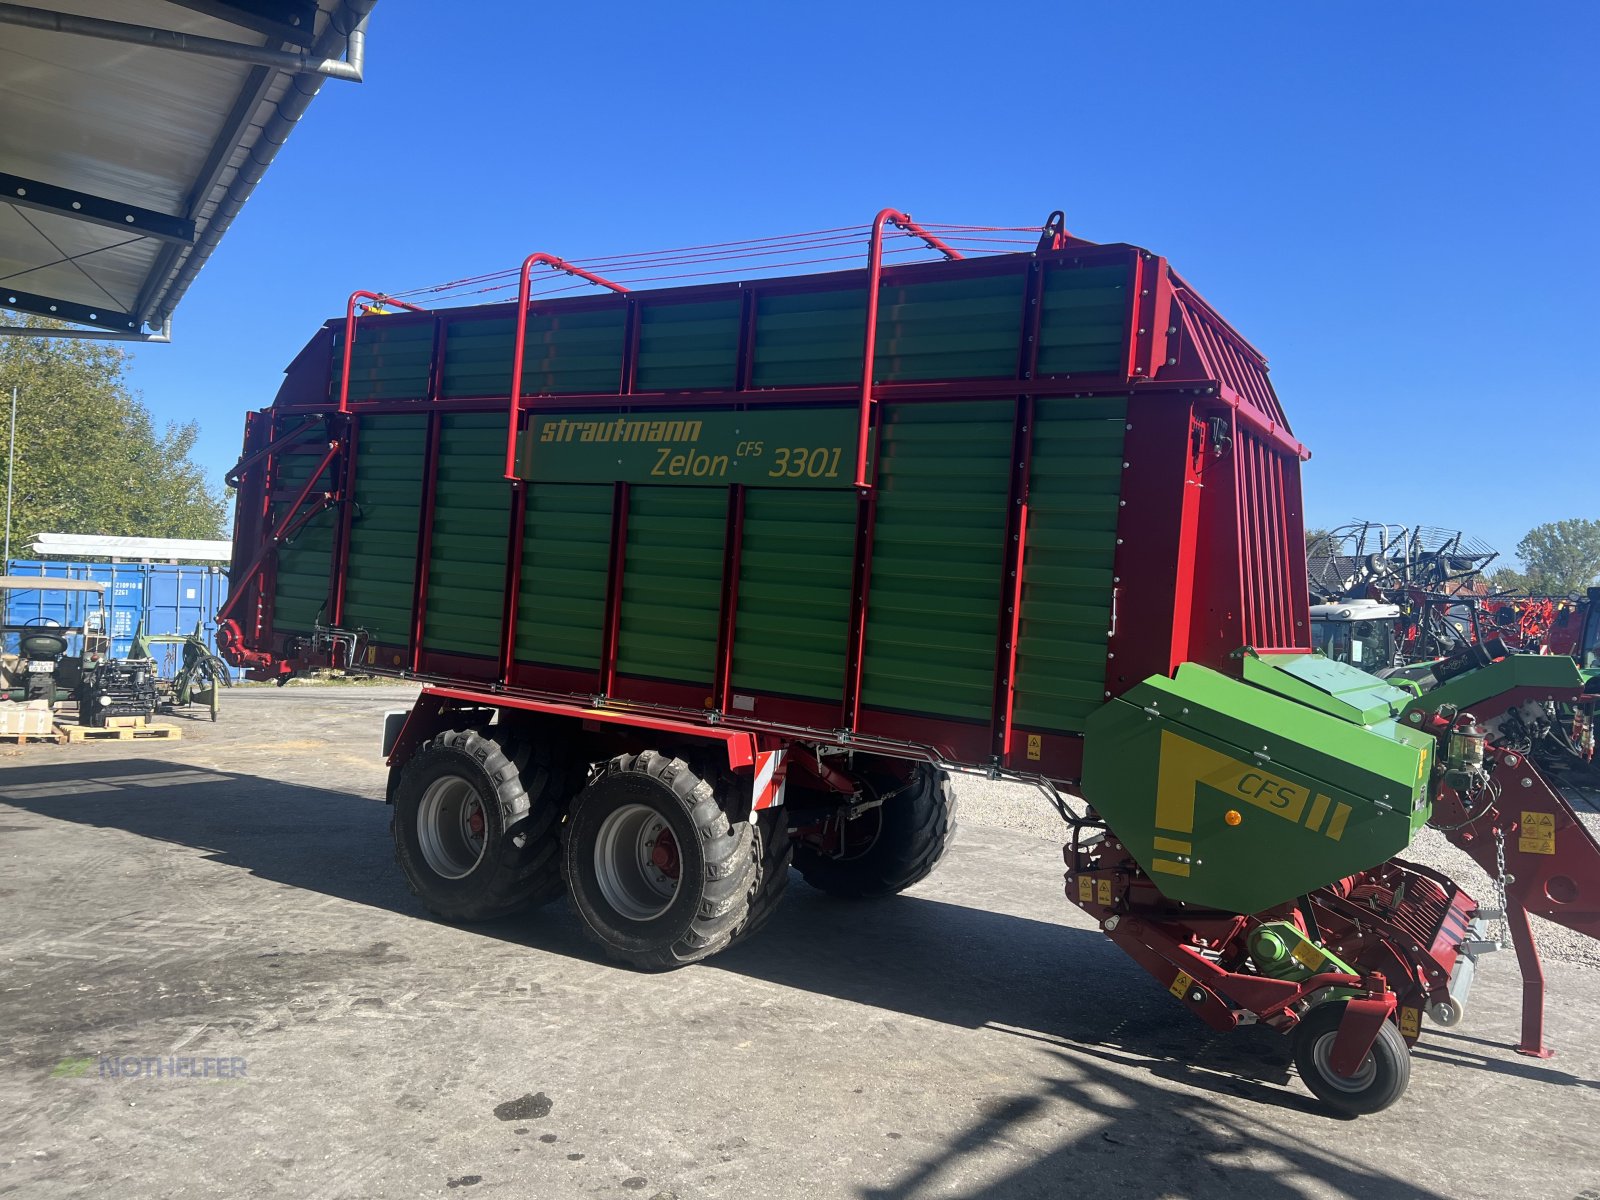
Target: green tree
1561, 557
89, 457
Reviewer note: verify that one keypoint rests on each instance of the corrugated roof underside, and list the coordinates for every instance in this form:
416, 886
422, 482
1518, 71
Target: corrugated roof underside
130, 123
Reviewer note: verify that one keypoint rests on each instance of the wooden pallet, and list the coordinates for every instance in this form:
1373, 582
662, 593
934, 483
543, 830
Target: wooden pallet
25, 739
123, 733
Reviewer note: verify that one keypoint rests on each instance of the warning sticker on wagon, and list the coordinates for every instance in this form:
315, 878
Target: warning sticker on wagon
1538, 833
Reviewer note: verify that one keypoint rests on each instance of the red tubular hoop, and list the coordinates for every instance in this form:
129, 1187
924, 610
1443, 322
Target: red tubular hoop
874, 275
350, 337
524, 286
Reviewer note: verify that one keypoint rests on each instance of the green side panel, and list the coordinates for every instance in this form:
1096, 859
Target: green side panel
390, 361
566, 557
964, 329
1075, 481
381, 569
1314, 797
562, 353
672, 583
794, 593
300, 595
1083, 328
471, 514
809, 339
687, 347
938, 553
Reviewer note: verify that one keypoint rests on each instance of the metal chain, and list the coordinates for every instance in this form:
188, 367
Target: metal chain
1500, 883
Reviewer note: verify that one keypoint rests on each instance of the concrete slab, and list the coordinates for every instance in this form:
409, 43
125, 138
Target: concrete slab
229, 905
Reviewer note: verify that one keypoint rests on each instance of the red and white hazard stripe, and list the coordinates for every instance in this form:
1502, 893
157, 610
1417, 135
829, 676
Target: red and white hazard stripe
769, 782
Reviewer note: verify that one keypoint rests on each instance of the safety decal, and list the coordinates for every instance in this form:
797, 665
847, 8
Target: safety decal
1538, 833
1308, 956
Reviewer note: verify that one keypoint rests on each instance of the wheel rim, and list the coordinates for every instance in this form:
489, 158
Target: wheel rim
1322, 1055
636, 863
451, 827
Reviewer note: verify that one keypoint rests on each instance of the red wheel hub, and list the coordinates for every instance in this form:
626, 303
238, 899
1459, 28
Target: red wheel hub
475, 821
664, 854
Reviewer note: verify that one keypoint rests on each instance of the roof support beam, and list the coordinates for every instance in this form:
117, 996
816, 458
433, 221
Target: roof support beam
97, 210
72, 333
171, 39
66, 310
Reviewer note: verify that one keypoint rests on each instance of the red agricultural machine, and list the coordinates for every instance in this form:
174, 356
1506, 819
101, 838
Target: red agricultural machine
704, 582
1393, 600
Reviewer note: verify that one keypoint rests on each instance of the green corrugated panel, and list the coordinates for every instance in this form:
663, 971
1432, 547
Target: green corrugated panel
1083, 328
794, 592
1074, 484
300, 594
381, 567
566, 560
471, 511
390, 360
963, 329
938, 552
562, 354
477, 358
809, 339
672, 583
687, 347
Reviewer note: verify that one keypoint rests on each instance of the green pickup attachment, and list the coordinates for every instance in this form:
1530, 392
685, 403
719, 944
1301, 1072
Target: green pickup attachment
1242, 795
1552, 674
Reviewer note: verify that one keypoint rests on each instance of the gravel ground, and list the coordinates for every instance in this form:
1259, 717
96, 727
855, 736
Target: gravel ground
1017, 806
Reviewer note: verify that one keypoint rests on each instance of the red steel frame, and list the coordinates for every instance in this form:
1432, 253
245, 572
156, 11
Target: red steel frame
1560, 883
292, 520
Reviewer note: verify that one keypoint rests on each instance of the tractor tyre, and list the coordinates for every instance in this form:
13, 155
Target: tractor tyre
477, 837
657, 872
890, 847
776, 854
1378, 1082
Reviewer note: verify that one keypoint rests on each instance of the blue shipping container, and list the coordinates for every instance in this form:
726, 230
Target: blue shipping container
167, 597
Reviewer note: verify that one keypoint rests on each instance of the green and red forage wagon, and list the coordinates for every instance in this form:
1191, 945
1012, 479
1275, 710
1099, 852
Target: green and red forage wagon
706, 581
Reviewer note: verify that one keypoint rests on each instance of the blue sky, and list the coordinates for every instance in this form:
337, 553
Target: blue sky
1396, 203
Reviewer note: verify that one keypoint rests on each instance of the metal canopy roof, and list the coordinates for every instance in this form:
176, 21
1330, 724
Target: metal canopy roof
134, 131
